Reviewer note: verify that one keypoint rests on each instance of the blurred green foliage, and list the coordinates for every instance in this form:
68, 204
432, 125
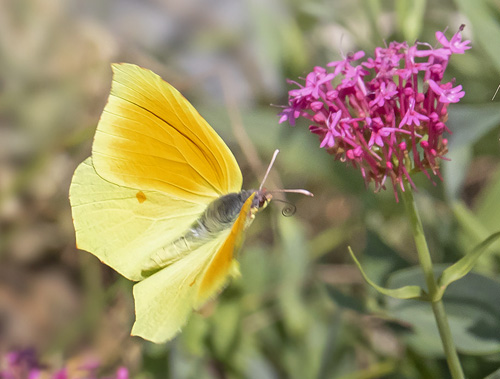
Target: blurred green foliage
301, 308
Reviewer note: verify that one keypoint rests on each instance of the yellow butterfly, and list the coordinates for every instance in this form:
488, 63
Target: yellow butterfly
160, 201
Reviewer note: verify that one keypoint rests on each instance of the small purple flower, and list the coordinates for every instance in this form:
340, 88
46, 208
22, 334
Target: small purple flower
412, 117
386, 91
331, 124
122, 373
23, 364
61, 374
455, 44
380, 132
386, 115
446, 93
344, 64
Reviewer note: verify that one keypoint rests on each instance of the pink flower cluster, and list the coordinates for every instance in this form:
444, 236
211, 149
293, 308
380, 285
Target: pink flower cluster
385, 115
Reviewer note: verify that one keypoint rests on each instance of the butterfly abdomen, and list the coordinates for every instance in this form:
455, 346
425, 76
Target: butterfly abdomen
219, 216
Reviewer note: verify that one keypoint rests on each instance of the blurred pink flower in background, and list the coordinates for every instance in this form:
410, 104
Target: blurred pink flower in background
24, 364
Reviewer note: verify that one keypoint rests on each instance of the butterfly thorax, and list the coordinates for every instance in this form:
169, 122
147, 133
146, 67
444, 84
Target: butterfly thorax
221, 213
219, 216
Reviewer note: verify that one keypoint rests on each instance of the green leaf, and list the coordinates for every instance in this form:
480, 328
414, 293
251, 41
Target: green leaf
345, 301
482, 15
472, 305
330, 239
487, 207
294, 261
494, 375
259, 367
410, 16
473, 232
226, 328
194, 334
405, 292
379, 257
462, 267
455, 169
469, 123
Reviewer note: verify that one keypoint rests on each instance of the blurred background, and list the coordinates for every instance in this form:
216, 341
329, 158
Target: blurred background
301, 308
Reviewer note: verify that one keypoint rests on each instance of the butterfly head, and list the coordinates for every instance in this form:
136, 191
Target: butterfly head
261, 200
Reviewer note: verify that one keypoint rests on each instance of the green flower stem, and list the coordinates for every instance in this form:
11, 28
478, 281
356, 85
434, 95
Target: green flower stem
426, 263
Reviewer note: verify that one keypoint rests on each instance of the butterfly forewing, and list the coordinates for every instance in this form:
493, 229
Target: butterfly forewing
150, 137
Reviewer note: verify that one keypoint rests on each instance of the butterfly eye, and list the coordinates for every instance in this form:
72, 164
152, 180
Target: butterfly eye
264, 200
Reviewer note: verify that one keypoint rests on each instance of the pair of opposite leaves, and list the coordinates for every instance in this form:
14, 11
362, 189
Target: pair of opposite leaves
152, 201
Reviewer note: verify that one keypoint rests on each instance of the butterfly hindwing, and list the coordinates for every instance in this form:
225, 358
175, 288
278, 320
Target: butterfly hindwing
165, 300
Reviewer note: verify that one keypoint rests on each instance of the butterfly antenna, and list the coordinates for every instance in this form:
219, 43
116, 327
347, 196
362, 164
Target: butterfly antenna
302, 191
276, 152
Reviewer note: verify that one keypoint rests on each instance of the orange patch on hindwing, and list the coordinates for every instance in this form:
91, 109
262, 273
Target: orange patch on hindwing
141, 197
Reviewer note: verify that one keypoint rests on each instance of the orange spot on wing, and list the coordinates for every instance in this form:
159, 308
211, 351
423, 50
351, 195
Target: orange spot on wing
216, 274
141, 197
